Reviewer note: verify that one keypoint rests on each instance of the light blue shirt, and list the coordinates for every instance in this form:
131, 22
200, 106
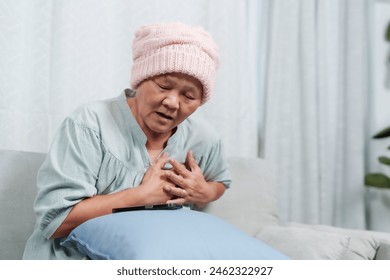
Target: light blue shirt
100, 149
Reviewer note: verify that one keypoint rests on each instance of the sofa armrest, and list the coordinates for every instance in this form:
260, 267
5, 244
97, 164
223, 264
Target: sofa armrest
383, 252
17, 193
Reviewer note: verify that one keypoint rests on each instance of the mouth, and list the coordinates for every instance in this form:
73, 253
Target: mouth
168, 117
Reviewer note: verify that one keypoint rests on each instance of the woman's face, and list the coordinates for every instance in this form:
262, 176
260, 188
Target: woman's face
164, 101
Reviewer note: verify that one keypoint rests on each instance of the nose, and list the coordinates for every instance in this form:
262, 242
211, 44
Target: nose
171, 101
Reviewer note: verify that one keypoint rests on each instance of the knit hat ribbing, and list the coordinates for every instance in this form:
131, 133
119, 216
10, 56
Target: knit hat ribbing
175, 48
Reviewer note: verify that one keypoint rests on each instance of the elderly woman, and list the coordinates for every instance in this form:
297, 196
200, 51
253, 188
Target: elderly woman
141, 148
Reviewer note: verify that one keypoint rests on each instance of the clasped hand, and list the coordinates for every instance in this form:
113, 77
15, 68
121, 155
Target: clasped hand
183, 184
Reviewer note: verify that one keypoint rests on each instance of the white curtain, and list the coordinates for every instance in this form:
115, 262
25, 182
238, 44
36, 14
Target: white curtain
56, 55
317, 80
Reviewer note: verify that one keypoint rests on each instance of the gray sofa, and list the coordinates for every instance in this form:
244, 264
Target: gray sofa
250, 204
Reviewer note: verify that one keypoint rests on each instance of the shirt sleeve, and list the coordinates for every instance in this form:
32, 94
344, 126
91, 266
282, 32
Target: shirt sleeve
68, 174
214, 165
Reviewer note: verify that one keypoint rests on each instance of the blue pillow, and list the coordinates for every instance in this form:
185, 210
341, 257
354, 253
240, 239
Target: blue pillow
166, 235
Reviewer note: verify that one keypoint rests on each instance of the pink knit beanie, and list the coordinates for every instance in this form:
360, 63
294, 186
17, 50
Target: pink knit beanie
175, 48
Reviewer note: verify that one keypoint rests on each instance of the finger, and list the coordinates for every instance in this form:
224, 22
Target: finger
178, 167
191, 162
162, 160
168, 187
176, 179
179, 192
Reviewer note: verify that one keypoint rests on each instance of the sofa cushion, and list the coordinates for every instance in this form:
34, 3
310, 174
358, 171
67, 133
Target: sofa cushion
18, 189
302, 243
250, 202
363, 244
166, 234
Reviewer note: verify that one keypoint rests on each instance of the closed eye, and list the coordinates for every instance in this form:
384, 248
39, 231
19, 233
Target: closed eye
162, 86
190, 97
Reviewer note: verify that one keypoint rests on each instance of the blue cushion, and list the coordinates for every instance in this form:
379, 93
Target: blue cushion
166, 235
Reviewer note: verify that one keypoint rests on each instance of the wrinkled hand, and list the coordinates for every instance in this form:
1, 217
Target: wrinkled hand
155, 181
191, 187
